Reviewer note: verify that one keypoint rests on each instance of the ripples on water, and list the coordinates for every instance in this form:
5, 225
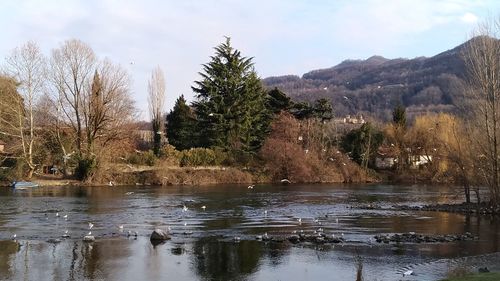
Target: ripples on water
202, 247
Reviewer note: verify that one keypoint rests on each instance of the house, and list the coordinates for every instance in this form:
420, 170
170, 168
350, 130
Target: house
386, 157
419, 160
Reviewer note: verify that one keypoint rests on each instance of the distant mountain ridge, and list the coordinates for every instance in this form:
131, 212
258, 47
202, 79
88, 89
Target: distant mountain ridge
376, 85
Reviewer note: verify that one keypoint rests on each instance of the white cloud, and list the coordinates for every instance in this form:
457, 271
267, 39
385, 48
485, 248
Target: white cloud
469, 18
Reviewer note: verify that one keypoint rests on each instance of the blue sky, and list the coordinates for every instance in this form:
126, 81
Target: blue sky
283, 36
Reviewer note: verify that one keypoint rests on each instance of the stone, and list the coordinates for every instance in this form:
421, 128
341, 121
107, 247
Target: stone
159, 235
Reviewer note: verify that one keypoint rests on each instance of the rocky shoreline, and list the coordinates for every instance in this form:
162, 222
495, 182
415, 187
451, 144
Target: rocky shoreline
420, 238
480, 209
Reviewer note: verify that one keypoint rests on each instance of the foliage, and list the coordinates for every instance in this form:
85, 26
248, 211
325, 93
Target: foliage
282, 152
230, 105
362, 144
181, 126
323, 109
86, 168
399, 116
202, 157
277, 101
302, 110
147, 158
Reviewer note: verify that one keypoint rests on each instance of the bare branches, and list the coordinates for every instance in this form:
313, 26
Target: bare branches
72, 66
156, 100
482, 58
27, 66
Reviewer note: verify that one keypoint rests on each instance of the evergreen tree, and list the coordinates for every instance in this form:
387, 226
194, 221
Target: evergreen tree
181, 126
399, 116
323, 109
362, 144
230, 105
302, 110
278, 101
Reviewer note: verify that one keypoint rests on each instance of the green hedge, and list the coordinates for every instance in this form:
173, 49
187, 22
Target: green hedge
202, 157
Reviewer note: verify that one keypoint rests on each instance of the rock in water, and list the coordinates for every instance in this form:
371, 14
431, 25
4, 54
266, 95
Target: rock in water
159, 235
88, 238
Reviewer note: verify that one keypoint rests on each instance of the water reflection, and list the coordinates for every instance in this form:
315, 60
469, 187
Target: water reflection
202, 247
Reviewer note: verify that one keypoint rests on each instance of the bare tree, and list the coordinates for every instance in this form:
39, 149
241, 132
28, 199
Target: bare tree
482, 58
156, 100
72, 66
93, 97
27, 66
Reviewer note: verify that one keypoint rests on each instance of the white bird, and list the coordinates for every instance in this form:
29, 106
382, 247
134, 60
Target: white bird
184, 208
185, 223
14, 236
120, 227
204, 207
251, 186
57, 214
265, 212
336, 220
285, 181
299, 220
408, 273
91, 225
65, 217
236, 239
111, 183
90, 233
129, 193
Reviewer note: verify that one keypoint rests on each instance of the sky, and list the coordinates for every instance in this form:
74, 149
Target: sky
283, 36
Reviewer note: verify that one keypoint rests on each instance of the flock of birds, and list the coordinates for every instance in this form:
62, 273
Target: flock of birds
88, 237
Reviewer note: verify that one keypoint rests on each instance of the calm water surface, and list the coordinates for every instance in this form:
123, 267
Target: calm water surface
203, 247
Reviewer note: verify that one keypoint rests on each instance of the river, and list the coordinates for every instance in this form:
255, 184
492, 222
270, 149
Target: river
204, 246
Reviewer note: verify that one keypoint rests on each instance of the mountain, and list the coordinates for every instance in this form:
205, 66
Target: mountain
374, 86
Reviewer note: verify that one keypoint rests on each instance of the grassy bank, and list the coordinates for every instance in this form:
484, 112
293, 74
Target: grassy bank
491, 276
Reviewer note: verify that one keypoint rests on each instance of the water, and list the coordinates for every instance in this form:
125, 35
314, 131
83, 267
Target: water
203, 246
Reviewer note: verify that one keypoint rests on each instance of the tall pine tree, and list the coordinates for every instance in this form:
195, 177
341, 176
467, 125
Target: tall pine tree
181, 126
230, 105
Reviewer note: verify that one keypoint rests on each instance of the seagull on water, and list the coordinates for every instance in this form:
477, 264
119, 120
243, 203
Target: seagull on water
65, 217
57, 214
14, 236
91, 225
184, 208
251, 186
299, 220
204, 207
408, 273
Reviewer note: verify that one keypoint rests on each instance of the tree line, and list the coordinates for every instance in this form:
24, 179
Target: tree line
75, 109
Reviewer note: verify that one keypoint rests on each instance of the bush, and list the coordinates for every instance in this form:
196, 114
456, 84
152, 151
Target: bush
85, 168
202, 157
145, 158
12, 169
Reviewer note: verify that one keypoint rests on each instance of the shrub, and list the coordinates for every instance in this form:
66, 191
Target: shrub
202, 157
85, 168
145, 158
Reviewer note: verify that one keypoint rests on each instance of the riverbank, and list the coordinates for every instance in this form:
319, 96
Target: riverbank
163, 175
